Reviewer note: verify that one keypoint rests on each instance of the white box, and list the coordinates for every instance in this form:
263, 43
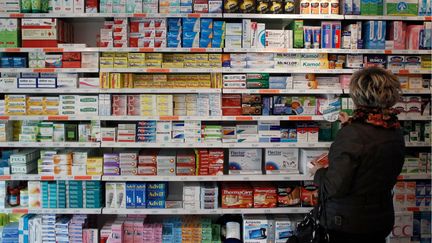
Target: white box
79, 6
307, 156
68, 6
281, 160
245, 161
234, 29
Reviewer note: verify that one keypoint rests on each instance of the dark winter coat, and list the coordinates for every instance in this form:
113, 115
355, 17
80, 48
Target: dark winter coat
364, 163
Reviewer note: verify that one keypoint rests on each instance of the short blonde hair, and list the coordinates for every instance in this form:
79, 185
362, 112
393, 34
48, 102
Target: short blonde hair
374, 87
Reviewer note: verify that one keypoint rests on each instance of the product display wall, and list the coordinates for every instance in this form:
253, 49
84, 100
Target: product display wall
155, 118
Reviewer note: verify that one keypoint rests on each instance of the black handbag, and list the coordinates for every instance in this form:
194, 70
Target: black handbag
309, 229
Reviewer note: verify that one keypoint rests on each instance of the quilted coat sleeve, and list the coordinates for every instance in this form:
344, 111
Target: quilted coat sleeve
344, 159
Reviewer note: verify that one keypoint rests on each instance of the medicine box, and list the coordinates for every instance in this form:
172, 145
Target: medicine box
281, 160
245, 161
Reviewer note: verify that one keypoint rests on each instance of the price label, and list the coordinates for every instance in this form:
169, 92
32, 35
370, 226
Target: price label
174, 211
155, 211
311, 145
165, 178
11, 144
237, 211
246, 178
254, 145
287, 178
183, 178
267, 211
295, 210
193, 211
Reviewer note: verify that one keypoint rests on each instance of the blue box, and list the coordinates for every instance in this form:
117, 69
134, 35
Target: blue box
191, 24
155, 203
140, 195
130, 195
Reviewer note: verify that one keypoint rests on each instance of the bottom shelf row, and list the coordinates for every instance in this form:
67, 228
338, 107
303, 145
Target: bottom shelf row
52, 228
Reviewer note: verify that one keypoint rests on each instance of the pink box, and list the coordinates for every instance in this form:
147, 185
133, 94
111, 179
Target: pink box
345, 81
117, 231
397, 34
413, 36
128, 227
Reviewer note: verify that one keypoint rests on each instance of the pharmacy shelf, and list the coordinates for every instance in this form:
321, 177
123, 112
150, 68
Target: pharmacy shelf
49, 70
35, 177
214, 145
419, 91
111, 91
20, 210
413, 209
161, 70
286, 70
147, 49
413, 71
414, 177
282, 16
166, 211
404, 91
212, 118
383, 17
282, 91
50, 144
51, 49
109, 49
48, 118
162, 91
414, 118
287, 210
319, 51
418, 144
50, 91
285, 177
109, 15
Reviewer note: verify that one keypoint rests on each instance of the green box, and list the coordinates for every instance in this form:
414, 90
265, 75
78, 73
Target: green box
297, 27
9, 33
402, 7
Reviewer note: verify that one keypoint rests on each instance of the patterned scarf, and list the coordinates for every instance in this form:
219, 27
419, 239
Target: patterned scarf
386, 118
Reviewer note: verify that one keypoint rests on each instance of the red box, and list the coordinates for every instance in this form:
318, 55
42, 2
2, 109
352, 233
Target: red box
265, 196
74, 64
237, 196
39, 43
231, 100
231, 111
309, 195
71, 56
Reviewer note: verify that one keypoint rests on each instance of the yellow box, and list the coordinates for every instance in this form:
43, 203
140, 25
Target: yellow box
104, 80
172, 65
108, 54
154, 63
106, 62
201, 57
120, 62
154, 56
16, 104
35, 101
15, 98
121, 54
15, 111
136, 56
179, 57
134, 63
51, 110
190, 65
35, 110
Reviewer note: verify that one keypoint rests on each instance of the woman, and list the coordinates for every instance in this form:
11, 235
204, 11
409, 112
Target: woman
364, 162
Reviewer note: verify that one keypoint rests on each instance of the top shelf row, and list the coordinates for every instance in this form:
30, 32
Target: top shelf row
216, 15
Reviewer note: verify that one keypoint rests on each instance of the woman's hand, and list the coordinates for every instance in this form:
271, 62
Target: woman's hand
316, 167
343, 117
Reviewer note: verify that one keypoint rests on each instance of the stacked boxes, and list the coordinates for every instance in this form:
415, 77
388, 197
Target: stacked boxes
24, 161
111, 164
247, 133
163, 131
212, 133
135, 195
174, 33
147, 162
166, 162
237, 196
120, 30
209, 195
156, 195
264, 195
209, 162
191, 195
128, 162
167, 7
44, 32
233, 38
126, 133
185, 163
149, 33
375, 33
190, 32
269, 131
146, 131
115, 195
95, 166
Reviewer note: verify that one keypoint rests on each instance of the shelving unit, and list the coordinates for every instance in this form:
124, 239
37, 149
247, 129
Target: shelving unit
96, 20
